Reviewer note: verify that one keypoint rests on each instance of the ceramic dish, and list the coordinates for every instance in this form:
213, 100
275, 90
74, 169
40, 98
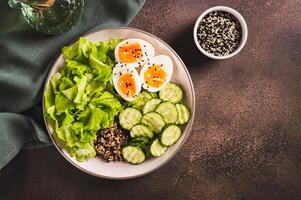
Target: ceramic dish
122, 170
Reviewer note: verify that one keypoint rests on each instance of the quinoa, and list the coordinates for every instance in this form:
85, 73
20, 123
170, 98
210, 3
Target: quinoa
219, 33
109, 143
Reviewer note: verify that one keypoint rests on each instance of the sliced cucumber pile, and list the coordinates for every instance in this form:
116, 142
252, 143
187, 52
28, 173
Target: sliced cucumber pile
153, 121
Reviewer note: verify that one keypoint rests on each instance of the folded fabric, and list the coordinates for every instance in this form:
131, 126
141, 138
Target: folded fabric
25, 59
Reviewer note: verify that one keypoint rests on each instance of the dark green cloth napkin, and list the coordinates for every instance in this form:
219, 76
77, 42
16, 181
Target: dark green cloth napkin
25, 57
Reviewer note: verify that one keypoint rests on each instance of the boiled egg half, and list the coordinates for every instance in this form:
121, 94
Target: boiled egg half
156, 73
126, 81
134, 52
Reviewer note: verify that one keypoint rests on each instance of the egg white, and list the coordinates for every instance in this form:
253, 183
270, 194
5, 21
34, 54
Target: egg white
120, 69
147, 50
167, 66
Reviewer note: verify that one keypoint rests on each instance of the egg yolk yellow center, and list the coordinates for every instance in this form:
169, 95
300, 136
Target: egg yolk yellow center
127, 85
129, 53
155, 76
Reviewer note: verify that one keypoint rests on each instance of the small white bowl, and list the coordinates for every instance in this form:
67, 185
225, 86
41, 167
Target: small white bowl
237, 16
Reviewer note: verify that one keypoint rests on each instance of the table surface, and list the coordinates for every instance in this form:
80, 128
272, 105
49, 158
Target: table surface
246, 141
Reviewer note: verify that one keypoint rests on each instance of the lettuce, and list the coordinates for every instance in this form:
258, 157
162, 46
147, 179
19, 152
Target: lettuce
80, 99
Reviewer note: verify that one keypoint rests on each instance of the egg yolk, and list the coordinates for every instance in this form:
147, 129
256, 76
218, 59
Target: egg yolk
129, 53
127, 85
155, 76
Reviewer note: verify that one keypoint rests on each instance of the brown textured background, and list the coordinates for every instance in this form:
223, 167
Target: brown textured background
246, 140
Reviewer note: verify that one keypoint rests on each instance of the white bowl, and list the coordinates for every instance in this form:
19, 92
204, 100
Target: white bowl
237, 16
120, 170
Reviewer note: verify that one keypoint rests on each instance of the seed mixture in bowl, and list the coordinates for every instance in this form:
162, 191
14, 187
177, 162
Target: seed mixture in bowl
109, 143
219, 33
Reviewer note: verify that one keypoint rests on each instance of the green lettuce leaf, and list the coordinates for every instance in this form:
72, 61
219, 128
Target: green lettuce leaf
62, 104
87, 151
80, 99
48, 97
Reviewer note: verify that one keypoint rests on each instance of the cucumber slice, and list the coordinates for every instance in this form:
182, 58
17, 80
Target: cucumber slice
171, 92
129, 117
141, 130
154, 121
145, 95
157, 149
169, 112
183, 114
151, 105
154, 94
142, 98
133, 155
170, 135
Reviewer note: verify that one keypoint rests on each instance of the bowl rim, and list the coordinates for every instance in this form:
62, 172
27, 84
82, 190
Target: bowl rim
237, 15
188, 126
